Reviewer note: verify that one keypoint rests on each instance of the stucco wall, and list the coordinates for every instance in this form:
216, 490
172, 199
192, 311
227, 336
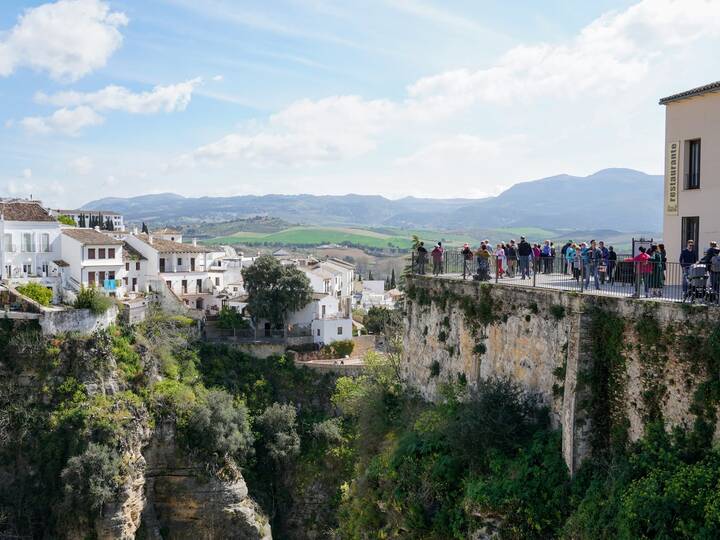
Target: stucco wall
76, 320
545, 340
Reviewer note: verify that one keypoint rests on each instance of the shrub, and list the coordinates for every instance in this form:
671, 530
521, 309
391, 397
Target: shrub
218, 427
67, 220
557, 311
435, 369
35, 291
480, 348
342, 348
277, 426
91, 478
92, 299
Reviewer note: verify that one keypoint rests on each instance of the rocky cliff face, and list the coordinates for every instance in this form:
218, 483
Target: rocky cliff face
624, 362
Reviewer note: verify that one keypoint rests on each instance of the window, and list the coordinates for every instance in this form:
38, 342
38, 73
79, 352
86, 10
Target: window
7, 243
183, 286
101, 277
691, 231
91, 253
162, 264
318, 332
127, 267
323, 312
111, 253
27, 243
217, 281
692, 168
44, 269
91, 279
339, 330
169, 284
192, 264
27, 269
45, 242
198, 285
111, 274
179, 261
137, 266
125, 281
101, 253
134, 284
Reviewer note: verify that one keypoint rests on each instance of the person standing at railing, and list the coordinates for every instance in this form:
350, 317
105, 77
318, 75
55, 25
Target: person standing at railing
611, 264
570, 256
536, 258
545, 254
657, 275
437, 257
524, 252
604, 262
688, 257
483, 262
712, 261
563, 255
422, 256
593, 258
501, 263
642, 271
511, 256
467, 256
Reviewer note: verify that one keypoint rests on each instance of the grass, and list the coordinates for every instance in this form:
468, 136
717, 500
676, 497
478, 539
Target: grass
317, 236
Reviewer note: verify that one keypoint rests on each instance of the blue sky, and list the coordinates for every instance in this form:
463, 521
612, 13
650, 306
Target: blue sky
396, 97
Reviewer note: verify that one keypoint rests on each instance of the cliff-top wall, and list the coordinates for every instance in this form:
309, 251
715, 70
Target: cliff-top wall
604, 366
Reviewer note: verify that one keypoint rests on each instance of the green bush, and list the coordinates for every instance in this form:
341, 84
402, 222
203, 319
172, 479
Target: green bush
278, 428
92, 299
218, 428
343, 348
67, 220
91, 478
35, 291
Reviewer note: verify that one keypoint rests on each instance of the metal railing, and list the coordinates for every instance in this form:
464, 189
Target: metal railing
624, 276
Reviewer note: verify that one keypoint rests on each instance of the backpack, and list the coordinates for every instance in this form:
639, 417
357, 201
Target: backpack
715, 264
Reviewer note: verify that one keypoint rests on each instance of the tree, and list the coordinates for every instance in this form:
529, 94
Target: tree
219, 428
38, 292
90, 479
67, 220
278, 426
370, 276
82, 221
274, 289
392, 279
378, 318
109, 225
144, 228
231, 319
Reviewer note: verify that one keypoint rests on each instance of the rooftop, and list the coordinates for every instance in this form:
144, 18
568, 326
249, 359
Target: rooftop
166, 230
24, 211
91, 237
131, 254
700, 90
85, 211
168, 246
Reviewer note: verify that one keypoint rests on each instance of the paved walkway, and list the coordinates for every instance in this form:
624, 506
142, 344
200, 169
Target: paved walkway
565, 282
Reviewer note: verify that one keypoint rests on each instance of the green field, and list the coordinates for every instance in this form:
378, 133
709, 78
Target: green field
313, 236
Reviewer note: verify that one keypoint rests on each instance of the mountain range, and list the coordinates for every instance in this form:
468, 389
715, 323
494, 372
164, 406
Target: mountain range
619, 199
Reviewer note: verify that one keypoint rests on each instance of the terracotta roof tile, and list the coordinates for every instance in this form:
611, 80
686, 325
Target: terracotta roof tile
91, 237
168, 246
24, 211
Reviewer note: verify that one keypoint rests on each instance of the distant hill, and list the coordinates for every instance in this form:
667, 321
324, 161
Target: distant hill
619, 199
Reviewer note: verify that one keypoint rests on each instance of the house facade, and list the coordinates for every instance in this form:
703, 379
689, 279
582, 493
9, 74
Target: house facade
94, 260
324, 318
86, 218
30, 247
692, 169
182, 268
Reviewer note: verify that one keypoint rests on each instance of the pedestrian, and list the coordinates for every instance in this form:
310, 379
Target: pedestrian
536, 258
563, 254
524, 251
553, 254
422, 256
437, 257
570, 259
642, 271
657, 275
688, 257
712, 261
467, 256
602, 270
611, 264
545, 257
483, 263
593, 258
512, 258
500, 260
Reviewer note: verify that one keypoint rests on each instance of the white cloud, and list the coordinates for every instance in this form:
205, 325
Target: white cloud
170, 98
307, 132
610, 54
65, 121
82, 165
110, 181
27, 174
68, 39
218, 78
460, 149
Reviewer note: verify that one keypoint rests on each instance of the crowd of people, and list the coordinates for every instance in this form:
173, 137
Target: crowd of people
591, 261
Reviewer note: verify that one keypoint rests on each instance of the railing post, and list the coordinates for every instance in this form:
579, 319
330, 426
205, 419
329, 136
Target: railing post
534, 273
497, 269
582, 275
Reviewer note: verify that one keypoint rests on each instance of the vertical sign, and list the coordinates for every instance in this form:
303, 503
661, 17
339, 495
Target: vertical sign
672, 173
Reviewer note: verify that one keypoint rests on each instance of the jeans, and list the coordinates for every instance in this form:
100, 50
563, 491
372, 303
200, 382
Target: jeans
421, 265
525, 266
512, 267
466, 268
685, 270
437, 267
591, 269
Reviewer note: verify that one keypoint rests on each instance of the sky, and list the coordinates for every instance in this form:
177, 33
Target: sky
428, 98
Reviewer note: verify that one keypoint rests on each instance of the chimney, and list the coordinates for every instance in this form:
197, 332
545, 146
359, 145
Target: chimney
150, 239
194, 241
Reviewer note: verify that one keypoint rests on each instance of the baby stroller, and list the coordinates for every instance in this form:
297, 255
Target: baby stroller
697, 284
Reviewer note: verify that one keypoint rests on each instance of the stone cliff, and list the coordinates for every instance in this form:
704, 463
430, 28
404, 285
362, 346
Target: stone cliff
597, 363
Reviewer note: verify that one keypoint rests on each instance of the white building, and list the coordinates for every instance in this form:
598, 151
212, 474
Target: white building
100, 215
94, 260
30, 248
135, 273
325, 319
180, 267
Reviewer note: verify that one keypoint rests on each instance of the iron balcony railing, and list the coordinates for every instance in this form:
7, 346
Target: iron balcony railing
623, 276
